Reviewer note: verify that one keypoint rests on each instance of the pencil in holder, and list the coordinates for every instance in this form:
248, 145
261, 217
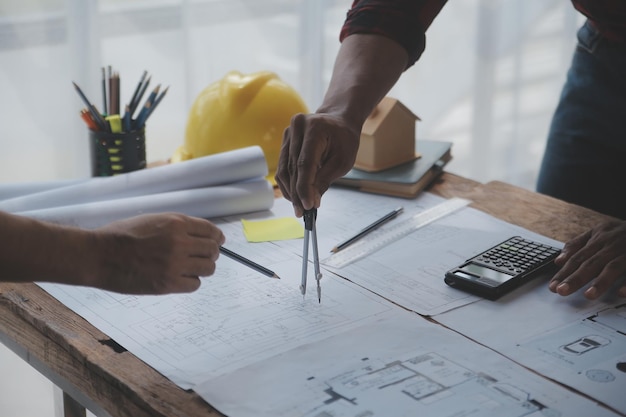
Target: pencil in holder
117, 153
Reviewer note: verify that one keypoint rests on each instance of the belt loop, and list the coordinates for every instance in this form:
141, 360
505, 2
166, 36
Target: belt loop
588, 36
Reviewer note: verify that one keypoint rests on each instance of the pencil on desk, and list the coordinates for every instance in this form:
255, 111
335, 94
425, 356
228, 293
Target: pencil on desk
368, 229
248, 263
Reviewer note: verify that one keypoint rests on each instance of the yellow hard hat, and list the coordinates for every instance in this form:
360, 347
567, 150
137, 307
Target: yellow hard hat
239, 111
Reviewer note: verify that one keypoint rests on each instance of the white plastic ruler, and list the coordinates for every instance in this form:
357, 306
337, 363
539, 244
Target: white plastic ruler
390, 234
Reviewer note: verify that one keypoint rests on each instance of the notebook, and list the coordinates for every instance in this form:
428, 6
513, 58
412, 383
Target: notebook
406, 180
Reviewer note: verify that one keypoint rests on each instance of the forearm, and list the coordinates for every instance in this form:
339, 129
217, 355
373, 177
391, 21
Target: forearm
39, 251
366, 68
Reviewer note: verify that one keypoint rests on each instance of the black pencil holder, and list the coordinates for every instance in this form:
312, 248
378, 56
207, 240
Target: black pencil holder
117, 153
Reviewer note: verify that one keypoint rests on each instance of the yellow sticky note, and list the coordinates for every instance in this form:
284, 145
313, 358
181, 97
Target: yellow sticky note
284, 228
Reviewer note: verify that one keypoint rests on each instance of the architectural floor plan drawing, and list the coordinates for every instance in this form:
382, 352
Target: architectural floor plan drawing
253, 346
403, 366
589, 355
578, 342
408, 271
237, 317
432, 383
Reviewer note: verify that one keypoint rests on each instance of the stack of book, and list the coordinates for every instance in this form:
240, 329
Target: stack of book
406, 180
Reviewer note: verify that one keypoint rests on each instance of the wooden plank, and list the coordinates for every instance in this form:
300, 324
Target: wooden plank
536, 212
540, 213
451, 185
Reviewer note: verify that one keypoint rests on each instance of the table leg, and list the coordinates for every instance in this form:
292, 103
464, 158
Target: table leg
71, 407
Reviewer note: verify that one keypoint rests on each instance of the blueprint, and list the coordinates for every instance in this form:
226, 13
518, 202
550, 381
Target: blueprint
212, 170
244, 341
251, 195
399, 367
237, 317
588, 354
409, 271
575, 341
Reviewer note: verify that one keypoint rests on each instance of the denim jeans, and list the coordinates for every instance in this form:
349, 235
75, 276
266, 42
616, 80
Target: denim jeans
585, 157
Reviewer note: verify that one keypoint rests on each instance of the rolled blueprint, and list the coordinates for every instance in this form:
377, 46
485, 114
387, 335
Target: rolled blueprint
207, 202
16, 189
217, 169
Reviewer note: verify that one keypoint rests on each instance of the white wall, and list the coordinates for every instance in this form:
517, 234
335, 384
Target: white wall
488, 80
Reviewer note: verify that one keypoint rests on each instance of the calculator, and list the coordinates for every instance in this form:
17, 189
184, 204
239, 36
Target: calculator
504, 267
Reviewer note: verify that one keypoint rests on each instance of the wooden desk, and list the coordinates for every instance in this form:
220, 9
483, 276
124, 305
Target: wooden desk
86, 365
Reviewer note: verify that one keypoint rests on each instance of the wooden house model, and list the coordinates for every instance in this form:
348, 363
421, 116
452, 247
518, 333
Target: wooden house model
387, 137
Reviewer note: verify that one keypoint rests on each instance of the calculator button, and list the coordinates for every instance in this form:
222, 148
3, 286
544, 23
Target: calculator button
517, 255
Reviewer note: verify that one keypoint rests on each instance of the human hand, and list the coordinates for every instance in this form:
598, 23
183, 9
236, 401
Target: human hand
157, 253
597, 256
317, 149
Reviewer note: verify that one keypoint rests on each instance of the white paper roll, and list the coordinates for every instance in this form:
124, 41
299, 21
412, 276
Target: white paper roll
16, 189
218, 169
207, 202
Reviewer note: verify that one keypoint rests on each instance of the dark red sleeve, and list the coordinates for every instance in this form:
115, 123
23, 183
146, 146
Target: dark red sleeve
404, 21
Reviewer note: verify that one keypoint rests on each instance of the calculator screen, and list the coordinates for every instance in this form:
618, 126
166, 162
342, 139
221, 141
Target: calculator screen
491, 274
